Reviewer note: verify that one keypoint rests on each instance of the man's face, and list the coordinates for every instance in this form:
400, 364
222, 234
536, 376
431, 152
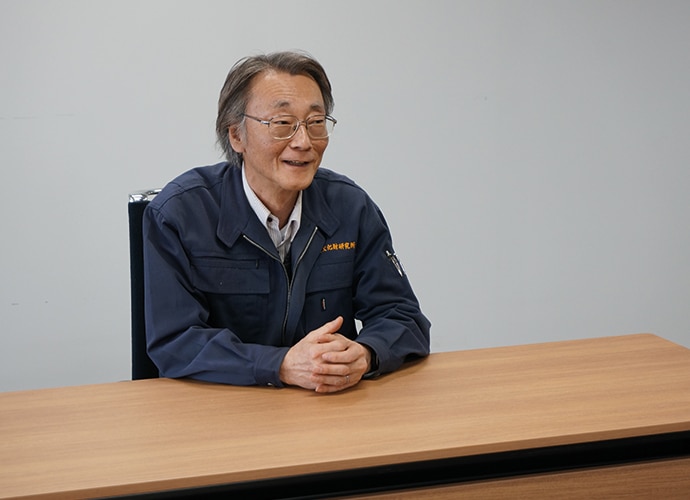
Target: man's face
278, 169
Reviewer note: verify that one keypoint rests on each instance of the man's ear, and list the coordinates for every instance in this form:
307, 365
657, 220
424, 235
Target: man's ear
236, 136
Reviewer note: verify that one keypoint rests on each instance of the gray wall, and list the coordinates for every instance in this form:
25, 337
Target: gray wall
531, 157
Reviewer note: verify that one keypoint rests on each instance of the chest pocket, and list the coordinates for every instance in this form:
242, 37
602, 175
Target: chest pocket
330, 276
227, 276
236, 293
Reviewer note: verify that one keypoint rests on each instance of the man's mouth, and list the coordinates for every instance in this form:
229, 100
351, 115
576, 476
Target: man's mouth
295, 163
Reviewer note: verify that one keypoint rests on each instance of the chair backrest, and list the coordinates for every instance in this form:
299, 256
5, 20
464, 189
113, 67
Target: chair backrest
142, 366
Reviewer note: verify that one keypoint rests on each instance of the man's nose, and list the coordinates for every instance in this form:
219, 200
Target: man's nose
301, 137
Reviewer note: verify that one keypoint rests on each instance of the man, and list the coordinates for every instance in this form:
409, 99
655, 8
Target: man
257, 268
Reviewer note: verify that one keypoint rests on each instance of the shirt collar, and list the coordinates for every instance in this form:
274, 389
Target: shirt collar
265, 215
236, 213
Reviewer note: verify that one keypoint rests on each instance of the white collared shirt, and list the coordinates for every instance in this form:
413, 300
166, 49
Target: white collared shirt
281, 237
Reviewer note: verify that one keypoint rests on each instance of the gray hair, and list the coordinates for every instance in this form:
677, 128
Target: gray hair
234, 95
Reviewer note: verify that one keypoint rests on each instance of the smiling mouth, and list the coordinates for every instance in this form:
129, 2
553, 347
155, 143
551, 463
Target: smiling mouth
295, 163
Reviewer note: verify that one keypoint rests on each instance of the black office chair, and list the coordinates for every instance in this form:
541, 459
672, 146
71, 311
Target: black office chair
142, 366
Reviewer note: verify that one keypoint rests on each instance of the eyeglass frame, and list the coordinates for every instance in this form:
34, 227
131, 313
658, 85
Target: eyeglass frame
299, 123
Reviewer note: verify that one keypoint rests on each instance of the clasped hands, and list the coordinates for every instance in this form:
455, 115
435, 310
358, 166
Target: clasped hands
325, 361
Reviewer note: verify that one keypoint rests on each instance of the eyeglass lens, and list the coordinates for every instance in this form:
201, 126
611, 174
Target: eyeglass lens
284, 127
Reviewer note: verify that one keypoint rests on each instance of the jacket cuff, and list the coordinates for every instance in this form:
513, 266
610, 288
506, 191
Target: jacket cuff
267, 368
374, 366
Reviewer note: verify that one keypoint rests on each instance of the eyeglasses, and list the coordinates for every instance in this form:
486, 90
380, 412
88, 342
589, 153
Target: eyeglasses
286, 126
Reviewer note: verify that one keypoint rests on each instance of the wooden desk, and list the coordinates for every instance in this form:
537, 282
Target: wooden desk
474, 418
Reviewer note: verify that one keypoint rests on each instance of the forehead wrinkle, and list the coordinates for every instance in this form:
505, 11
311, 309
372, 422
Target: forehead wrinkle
282, 104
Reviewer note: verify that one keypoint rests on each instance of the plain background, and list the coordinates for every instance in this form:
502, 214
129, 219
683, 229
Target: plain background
531, 158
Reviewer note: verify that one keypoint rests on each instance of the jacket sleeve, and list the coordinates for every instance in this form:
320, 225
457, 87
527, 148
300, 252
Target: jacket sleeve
393, 325
180, 341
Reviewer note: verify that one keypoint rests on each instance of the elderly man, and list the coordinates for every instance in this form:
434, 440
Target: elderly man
257, 268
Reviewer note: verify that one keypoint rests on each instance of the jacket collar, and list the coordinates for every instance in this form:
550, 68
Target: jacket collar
237, 217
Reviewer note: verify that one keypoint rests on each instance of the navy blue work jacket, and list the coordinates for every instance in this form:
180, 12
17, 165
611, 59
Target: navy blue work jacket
221, 306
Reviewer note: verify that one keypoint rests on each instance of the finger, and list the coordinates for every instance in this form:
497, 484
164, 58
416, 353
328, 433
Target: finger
325, 331
334, 380
340, 357
335, 384
351, 353
322, 369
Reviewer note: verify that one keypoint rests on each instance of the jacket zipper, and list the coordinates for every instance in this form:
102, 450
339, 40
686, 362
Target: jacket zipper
287, 277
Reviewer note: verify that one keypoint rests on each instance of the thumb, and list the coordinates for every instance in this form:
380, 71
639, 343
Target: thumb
331, 327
